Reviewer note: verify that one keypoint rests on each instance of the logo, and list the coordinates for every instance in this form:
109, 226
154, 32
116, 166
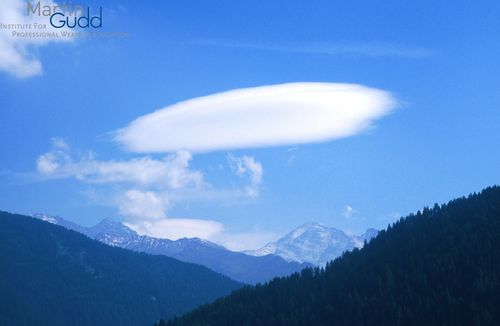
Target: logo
67, 15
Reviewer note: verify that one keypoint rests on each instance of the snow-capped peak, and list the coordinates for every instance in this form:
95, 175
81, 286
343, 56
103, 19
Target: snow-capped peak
314, 243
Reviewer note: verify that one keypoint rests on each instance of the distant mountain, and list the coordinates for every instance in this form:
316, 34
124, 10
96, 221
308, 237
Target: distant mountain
50, 275
314, 243
62, 222
440, 266
238, 266
367, 236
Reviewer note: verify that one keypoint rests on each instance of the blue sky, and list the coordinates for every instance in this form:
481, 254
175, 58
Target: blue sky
438, 60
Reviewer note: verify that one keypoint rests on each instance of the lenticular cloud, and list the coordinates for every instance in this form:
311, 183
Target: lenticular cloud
286, 114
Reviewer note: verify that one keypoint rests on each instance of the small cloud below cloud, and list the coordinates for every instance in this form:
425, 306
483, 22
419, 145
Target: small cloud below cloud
176, 228
148, 205
145, 213
292, 155
247, 165
286, 114
349, 212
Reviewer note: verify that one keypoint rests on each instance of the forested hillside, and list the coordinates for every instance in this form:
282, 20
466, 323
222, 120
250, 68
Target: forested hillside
235, 265
53, 276
440, 266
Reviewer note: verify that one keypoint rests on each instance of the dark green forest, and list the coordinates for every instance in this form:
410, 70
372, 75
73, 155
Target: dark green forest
53, 276
440, 266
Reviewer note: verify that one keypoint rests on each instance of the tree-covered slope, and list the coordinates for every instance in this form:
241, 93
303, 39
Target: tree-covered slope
235, 265
53, 276
440, 266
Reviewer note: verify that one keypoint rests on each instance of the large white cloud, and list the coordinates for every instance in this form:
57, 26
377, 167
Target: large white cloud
285, 114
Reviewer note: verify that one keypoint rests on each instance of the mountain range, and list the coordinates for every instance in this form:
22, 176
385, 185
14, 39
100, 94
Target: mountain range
238, 266
50, 275
314, 243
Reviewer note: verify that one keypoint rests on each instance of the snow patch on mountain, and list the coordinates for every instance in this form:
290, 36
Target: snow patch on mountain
314, 243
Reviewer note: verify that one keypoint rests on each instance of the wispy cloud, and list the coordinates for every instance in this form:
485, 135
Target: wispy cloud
285, 114
176, 228
17, 55
352, 49
145, 213
139, 204
349, 212
247, 165
170, 172
144, 189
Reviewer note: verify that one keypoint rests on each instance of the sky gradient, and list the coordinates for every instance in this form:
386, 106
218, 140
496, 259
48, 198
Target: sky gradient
439, 140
